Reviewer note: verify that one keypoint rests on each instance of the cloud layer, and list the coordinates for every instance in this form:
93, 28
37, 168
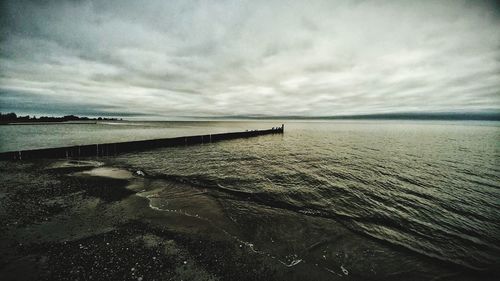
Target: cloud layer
214, 58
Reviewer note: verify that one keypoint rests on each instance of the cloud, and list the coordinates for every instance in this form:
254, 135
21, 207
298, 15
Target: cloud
213, 58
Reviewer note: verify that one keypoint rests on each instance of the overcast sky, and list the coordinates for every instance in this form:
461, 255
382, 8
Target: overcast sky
218, 58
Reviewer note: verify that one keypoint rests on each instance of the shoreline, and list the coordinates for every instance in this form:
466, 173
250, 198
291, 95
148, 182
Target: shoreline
99, 224
86, 219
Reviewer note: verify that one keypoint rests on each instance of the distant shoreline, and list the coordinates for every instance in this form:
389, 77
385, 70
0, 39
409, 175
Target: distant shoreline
50, 123
13, 119
383, 116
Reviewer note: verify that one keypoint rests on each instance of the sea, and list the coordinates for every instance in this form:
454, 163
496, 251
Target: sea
360, 197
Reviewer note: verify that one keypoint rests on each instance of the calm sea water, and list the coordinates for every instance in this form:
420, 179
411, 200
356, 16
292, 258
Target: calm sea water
429, 189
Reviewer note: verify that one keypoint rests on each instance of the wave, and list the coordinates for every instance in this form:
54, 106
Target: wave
375, 226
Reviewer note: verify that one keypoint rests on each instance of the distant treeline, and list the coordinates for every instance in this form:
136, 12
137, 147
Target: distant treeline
13, 118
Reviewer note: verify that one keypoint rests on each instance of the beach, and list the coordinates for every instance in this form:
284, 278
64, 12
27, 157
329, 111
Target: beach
61, 225
265, 208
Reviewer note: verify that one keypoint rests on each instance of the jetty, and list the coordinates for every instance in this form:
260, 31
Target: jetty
112, 149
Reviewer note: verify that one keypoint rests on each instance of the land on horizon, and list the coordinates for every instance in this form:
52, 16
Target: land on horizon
13, 118
486, 116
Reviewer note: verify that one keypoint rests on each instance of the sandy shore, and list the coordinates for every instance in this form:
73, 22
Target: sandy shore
88, 220
65, 221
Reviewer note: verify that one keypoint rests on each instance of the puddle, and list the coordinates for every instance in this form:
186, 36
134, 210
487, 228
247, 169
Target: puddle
108, 172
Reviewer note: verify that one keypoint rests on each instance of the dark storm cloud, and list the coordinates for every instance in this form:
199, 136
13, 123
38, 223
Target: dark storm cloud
204, 58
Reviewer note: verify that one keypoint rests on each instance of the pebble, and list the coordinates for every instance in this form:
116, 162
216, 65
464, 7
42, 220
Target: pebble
345, 271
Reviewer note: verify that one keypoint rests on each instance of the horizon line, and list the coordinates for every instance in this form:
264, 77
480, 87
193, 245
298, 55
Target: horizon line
482, 116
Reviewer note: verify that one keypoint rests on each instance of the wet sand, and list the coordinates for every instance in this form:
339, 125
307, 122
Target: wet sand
86, 220
76, 221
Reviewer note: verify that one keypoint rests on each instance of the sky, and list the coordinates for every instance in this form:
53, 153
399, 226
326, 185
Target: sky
161, 59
